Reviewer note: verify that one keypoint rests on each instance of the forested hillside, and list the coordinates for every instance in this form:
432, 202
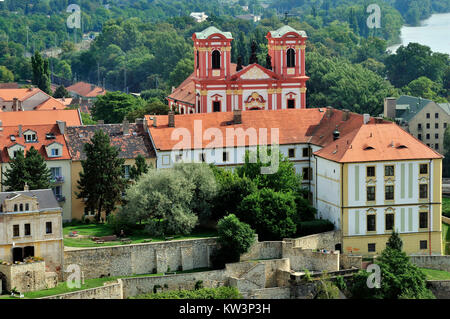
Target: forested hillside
145, 46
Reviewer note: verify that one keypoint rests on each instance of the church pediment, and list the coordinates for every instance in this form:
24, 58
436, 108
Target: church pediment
255, 72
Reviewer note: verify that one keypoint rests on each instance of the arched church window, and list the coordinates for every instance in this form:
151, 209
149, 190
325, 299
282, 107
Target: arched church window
290, 58
198, 60
21, 208
216, 59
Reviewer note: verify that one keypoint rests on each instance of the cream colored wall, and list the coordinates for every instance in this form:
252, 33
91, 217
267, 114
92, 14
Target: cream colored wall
421, 118
76, 168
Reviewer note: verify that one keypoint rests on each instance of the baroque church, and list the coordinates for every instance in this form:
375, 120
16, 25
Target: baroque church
216, 85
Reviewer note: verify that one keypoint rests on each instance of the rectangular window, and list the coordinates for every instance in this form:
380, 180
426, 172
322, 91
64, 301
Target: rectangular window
389, 219
423, 220
126, 171
436, 125
371, 248
419, 126
423, 168
423, 244
225, 156
423, 191
55, 151
436, 115
389, 170
291, 152
16, 231
56, 172
428, 125
445, 125
436, 146
216, 106
371, 222
370, 193
428, 115
419, 136
201, 157
306, 151
48, 227
291, 104
389, 192
370, 171
27, 230
428, 136
436, 135
306, 173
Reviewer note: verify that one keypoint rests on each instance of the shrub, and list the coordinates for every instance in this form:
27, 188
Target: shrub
314, 227
235, 238
272, 214
203, 293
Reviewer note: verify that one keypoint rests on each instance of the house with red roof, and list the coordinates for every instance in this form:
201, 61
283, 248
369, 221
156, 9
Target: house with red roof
28, 99
217, 86
366, 175
85, 90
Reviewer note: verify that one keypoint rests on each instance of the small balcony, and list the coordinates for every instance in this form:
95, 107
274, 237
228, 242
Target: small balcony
57, 180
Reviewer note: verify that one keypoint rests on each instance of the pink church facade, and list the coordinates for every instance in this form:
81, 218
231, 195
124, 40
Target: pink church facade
216, 86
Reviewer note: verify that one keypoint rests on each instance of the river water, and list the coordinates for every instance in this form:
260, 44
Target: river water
433, 32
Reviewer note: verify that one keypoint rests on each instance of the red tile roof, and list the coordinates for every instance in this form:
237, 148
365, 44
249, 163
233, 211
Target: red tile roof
376, 142
41, 131
185, 92
297, 126
71, 117
21, 94
85, 89
50, 104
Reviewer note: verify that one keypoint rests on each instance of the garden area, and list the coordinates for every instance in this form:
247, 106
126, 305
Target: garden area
446, 206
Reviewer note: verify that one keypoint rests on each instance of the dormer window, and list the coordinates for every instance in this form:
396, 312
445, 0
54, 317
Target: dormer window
54, 149
30, 136
55, 152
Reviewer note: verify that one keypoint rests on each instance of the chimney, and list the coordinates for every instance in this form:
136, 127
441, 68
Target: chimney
126, 127
19, 105
336, 134
20, 130
390, 106
329, 112
345, 114
171, 119
366, 118
154, 121
1, 125
14, 105
61, 126
101, 122
237, 116
26, 188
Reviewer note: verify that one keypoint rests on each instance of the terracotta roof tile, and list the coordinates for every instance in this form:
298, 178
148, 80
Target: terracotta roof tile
85, 89
41, 131
130, 146
21, 94
71, 117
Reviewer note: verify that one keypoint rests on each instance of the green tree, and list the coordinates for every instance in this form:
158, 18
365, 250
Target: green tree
140, 167
272, 214
399, 277
101, 182
41, 73
395, 241
61, 92
154, 106
161, 199
5, 74
182, 70
446, 160
425, 88
30, 169
114, 106
205, 188
234, 238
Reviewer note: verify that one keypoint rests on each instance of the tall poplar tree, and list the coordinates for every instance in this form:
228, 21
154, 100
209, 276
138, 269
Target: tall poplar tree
101, 182
41, 73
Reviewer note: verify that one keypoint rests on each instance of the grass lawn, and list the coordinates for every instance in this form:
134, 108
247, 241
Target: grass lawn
436, 274
446, 238
446, 206
138, 236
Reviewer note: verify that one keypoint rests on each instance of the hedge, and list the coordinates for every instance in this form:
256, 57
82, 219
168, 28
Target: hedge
204, 293
314, 227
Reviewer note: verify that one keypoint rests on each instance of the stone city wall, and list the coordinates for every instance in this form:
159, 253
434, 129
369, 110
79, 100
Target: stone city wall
126, 260
432, 262
326, 240
301, 259
25, 277
439, 288
108, 291
271, 293
349, 261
